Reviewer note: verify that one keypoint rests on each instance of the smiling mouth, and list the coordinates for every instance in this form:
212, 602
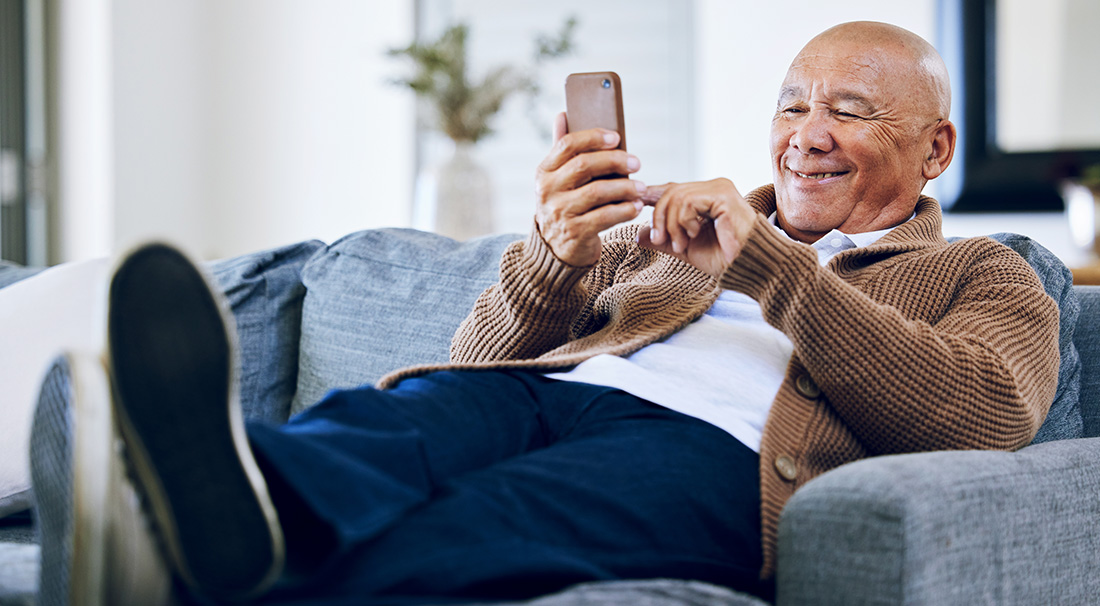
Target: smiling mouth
818, 176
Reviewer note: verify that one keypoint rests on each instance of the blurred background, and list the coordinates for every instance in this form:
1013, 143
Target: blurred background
228, 126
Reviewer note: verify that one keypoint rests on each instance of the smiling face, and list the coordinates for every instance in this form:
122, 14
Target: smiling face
860, 127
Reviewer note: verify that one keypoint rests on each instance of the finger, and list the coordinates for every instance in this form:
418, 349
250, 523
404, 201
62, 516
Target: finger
670, 225
571, 229
610, 215
586, 167
645, 240
597, 194
691, 219
658, 235
561, 126
570, 145
728, 244
654, 193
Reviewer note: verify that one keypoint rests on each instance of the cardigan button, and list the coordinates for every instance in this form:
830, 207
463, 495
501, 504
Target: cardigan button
806, 386
786, 467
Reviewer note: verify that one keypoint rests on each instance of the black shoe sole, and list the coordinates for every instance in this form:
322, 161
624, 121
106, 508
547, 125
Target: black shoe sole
173, 374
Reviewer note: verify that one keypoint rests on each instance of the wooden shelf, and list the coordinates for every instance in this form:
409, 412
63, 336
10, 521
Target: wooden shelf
1090, 274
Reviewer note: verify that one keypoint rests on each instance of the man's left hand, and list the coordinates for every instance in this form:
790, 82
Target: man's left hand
703, 223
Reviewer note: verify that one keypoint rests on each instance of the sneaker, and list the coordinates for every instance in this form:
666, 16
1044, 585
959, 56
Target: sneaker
96, 546
171, 358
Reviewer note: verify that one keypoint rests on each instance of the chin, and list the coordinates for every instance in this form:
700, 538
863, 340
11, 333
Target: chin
806, 221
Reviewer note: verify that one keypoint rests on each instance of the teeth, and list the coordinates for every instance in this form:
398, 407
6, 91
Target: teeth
817, 175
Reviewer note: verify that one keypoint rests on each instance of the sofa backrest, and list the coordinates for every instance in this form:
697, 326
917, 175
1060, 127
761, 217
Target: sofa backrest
313, 317
1087, 339
264, 290
383, 299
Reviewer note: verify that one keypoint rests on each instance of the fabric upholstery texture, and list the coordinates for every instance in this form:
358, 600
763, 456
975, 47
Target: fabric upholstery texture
265, 291
948, 528
1087, 340
383, 299
10, 273
649, 592
18, 574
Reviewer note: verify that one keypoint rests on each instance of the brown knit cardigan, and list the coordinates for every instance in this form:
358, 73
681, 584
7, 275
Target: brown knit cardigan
909, 344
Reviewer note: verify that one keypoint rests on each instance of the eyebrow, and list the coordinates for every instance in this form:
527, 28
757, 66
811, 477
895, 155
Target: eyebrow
864, 103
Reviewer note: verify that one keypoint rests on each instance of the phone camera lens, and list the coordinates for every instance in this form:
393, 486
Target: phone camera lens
606, 83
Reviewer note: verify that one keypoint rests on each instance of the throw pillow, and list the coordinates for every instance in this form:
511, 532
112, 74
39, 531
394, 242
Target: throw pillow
379, 300
265, 292
58, 309
63, 308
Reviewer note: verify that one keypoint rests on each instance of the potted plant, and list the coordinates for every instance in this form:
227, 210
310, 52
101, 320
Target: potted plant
463, 110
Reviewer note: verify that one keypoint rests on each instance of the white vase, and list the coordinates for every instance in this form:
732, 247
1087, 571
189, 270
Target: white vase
463, 196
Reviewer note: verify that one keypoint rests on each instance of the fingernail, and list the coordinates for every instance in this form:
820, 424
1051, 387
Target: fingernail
638, 206
633, 163
610, 138
641, 187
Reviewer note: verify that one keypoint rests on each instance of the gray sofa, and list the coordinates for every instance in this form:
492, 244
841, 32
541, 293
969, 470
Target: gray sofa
918, 529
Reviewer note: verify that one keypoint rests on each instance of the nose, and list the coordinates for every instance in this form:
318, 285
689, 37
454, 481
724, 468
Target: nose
811, 134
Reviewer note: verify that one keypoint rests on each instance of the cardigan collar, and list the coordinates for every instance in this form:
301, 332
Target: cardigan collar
923, 230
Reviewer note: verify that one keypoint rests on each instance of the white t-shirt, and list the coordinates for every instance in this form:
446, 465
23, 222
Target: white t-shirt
725, 368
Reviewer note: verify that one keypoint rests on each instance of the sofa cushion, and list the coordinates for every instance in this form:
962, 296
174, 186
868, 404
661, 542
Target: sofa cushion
265, 292
10, 273
379, 300
1087, 341
1064, 419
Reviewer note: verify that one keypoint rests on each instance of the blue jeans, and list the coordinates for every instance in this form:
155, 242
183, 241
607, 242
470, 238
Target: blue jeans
505, 485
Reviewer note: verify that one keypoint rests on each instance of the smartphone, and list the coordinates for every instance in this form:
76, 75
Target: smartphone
595, 100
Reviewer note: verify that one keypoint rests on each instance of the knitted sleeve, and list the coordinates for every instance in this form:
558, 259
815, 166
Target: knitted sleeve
540, 303
971, 363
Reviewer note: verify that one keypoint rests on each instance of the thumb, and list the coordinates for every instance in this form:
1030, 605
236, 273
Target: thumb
561, 126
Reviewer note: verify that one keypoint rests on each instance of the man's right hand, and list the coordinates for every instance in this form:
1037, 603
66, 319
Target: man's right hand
574, 206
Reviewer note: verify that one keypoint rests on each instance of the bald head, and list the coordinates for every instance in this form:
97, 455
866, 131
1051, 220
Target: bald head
910, 57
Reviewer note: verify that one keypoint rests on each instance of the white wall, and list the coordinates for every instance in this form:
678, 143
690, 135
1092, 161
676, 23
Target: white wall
235, 126
84, 187
231, 126
159, 129
308, 138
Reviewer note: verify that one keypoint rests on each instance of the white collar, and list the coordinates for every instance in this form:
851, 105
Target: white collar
836, 241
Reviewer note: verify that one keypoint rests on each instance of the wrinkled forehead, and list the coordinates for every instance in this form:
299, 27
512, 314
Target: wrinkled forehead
843, 72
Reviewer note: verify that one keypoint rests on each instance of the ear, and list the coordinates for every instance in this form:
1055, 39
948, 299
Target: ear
943, 149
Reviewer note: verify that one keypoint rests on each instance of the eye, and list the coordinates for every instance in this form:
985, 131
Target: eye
847, 115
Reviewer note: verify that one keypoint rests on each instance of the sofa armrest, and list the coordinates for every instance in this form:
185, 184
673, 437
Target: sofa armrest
947, 528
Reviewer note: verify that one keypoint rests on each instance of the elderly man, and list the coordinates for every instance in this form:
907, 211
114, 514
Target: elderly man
639, 405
